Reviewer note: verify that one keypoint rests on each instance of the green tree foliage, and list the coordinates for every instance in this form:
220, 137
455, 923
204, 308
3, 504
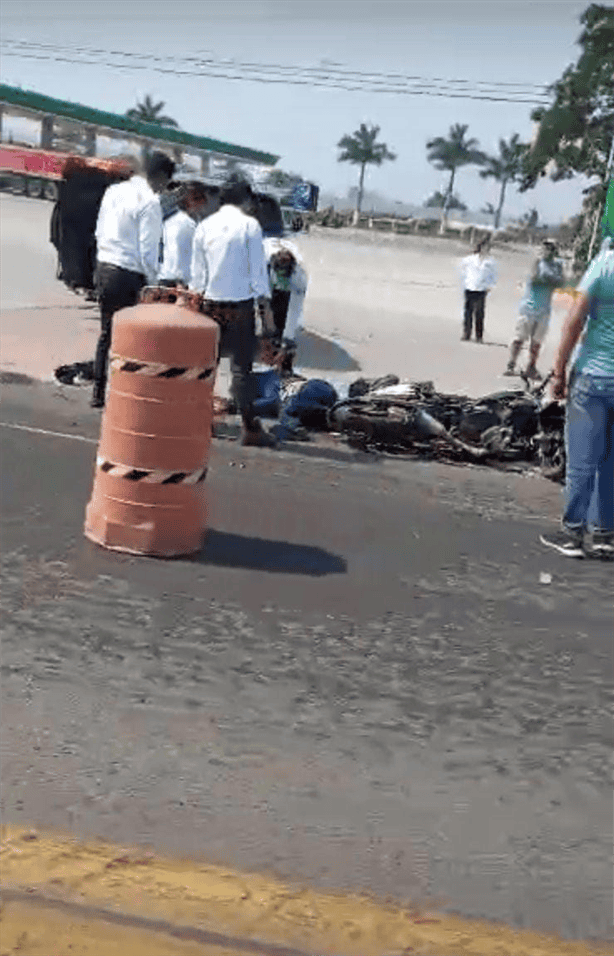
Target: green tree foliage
279, 179
452, 153
362, 149
505, 168
575, 132
150, 112
438, 199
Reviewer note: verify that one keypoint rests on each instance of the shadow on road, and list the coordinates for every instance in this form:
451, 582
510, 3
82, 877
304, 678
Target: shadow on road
223, 549
313, 351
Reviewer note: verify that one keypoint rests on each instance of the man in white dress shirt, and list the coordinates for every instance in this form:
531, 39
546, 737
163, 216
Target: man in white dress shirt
128, 234
479, 276
177, 235
229, 268
196, 200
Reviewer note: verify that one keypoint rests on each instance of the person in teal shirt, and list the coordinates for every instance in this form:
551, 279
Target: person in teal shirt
589, 414
534, 311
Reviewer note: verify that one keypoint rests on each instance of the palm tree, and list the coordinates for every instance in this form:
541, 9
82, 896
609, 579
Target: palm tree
450, 154
149, 112
505, 168
362, 149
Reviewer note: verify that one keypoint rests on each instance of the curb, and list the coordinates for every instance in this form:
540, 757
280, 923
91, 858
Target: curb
97, 896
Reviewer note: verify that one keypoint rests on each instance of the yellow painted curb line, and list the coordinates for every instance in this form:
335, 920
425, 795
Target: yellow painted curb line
104, 898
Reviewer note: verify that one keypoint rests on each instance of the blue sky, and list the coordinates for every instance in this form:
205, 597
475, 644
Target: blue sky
528, 43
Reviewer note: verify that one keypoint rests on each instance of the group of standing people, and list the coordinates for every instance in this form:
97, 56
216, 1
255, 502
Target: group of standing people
214, 245
479, 275
588, 387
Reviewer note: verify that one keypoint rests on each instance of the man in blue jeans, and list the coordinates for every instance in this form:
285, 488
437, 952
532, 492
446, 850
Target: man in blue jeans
589, 417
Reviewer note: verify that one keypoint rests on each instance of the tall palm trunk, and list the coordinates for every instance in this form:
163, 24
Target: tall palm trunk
501, 201
446, 202
361, 184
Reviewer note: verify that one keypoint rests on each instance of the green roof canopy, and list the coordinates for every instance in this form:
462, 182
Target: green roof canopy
38, 103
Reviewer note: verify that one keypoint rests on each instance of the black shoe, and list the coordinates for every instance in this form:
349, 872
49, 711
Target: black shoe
97, 403
255, 436
465, 338
571, 545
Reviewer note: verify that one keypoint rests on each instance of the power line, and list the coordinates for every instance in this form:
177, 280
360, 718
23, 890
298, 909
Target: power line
278, 67
329, 78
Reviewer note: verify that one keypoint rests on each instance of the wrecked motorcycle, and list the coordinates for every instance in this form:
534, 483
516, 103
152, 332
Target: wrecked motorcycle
517, 425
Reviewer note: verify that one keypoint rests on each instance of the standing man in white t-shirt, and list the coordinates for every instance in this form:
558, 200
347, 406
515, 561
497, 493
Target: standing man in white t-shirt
479, 276
128, 234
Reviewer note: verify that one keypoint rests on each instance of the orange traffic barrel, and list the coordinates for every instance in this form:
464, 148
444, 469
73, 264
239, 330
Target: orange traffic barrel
149, 485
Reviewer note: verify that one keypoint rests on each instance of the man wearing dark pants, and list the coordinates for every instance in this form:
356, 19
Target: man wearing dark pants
479, 276
229, 269
128, 235
288, 280
475, 304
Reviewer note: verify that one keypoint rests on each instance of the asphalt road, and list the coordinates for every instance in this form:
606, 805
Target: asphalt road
363, 681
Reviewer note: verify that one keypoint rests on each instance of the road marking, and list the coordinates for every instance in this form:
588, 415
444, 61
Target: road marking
45, 431
248, 913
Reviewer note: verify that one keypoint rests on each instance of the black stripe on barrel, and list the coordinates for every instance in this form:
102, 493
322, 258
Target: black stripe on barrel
136, 475
176, 478
171, 372
133, 366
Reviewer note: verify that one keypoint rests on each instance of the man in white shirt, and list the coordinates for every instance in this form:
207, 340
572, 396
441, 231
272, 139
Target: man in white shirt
288, 280
177, 235
128, 234
196, 200
229, 269
479, 275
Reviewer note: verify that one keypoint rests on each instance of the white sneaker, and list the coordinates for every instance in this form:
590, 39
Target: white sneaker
603, 546
571, 545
